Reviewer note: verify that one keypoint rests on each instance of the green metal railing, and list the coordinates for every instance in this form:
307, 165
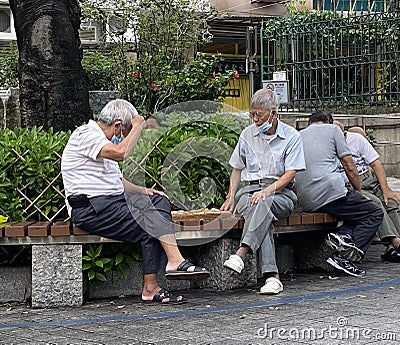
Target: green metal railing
337, 61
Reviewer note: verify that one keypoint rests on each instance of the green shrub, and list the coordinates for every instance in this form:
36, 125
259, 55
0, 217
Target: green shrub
30, 178
9, 66
100, 71
100, 259
187, 157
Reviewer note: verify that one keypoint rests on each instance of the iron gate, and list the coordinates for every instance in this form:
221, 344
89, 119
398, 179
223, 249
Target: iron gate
335, 60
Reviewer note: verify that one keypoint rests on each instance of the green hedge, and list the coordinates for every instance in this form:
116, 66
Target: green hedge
188, 158
30, 173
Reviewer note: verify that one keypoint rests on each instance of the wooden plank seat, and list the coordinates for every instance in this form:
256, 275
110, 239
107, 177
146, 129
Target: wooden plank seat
188, 231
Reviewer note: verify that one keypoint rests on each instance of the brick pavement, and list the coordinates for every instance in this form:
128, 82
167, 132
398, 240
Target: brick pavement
314, 308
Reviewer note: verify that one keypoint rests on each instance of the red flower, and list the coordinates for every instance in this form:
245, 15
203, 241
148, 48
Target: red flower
236, 75
135, 74
153, 86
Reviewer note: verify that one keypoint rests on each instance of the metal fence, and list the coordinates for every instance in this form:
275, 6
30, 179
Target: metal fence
335, 60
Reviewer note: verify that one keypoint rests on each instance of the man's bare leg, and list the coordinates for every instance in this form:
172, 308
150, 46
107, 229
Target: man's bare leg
174, 256
151, 287
242, 253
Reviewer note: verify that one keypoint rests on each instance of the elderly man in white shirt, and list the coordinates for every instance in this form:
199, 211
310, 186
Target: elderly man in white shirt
375, 187
265, 159
103, 202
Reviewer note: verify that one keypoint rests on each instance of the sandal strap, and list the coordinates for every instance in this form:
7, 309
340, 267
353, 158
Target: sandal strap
161, 294
183, 267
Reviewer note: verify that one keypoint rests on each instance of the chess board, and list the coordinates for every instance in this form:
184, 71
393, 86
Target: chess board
203, 213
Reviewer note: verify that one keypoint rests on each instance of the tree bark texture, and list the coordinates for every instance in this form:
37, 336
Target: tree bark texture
53, 85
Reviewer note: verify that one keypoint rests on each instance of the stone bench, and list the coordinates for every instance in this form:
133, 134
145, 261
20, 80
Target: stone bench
56, 269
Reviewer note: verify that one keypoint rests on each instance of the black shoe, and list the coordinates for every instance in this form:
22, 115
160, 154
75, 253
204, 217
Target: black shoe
345, 245
391, 255
345, 265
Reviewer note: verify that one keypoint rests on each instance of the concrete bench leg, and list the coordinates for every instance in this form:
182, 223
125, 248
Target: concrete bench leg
212, 255
57, 278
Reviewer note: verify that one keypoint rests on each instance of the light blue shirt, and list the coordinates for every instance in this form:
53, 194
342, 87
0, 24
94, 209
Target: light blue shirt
261, 156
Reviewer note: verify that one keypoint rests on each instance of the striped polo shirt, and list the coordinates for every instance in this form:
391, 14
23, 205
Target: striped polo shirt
82, 171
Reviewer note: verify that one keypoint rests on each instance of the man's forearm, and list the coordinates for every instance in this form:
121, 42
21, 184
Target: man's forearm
351, 171
131, 188
380, 174
234, 183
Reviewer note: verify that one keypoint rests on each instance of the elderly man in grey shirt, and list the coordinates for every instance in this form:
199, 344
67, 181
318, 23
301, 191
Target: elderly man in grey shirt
321, 188
265, 159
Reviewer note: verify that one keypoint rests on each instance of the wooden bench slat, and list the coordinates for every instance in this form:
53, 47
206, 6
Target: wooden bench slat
329, 219
39, 229
78, 231
3, 227
61, 228
294, 219
229, 223
307, 218
282, 222
211, 224
17, 229
178, 226
191, 225
185, 229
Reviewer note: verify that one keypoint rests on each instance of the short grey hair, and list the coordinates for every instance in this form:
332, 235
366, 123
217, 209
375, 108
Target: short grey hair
118, 109
266, 99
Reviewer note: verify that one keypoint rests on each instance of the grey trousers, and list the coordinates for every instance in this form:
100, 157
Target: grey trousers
258, 227
371, 189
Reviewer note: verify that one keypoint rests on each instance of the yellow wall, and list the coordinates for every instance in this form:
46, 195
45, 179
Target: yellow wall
240, 85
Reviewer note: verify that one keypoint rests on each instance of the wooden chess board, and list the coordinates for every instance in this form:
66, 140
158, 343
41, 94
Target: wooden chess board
203, 213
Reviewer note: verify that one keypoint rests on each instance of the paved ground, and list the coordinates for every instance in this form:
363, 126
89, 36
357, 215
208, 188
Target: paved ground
314, 308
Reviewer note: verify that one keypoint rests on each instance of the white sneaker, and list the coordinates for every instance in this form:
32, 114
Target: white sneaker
272, 286
234, 263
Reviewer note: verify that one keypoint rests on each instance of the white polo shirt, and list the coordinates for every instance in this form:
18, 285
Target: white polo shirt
82, 171
362, 151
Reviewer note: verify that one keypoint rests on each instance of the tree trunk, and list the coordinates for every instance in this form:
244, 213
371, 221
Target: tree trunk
53, 84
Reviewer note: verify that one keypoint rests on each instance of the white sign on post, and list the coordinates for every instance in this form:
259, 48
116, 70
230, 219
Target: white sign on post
280, 87
281, 75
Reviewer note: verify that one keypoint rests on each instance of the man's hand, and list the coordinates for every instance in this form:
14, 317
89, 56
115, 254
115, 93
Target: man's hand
389, 194
262, 194
380, 174
152, 191
138, 122
228, 205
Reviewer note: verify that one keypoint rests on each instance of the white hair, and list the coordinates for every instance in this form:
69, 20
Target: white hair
118, 109
266, 99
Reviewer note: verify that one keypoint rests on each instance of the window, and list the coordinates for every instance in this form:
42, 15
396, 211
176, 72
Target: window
232, 93
5, 20
7, 30
89, 33
351, 5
